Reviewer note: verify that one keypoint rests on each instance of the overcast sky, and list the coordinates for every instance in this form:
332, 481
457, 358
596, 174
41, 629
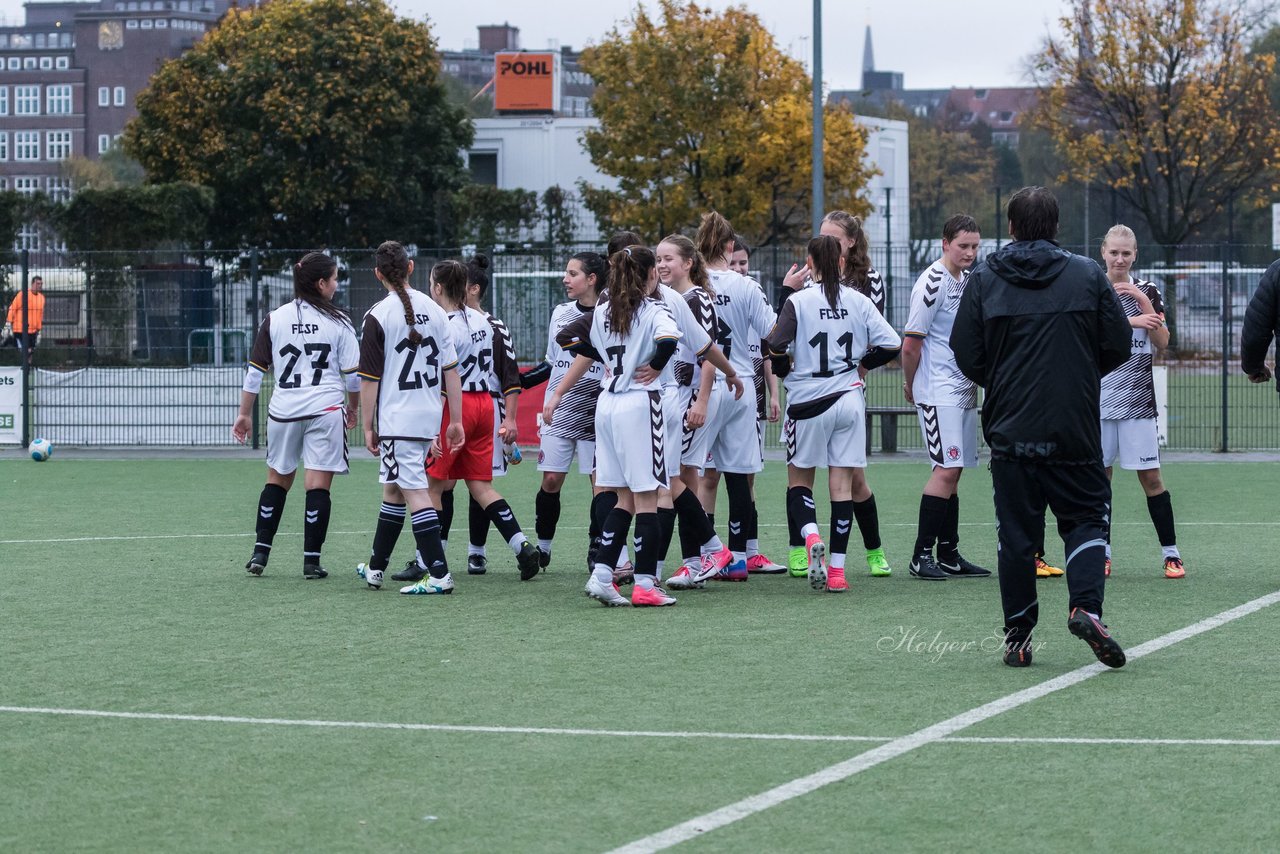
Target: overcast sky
935, 43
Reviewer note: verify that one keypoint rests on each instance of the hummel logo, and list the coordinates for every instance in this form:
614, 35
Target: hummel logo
842, 528
638, 542
313, 515
264, 511
506, 515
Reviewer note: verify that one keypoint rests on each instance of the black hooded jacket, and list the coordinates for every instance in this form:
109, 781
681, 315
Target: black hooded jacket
1261, 322
1037, 328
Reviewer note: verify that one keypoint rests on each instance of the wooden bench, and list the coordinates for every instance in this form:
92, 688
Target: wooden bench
888, 425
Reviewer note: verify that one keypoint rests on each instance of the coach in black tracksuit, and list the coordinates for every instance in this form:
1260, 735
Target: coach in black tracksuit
1261, 324
1037, 328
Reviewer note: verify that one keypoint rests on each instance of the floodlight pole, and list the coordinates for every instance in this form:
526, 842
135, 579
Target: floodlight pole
819, 177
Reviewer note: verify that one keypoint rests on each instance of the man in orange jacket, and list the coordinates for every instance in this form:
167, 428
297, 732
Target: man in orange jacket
26, 325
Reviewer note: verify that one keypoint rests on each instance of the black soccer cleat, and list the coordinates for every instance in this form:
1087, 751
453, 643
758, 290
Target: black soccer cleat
958, 567
1018, 653
313, 570
477, 564
528, 561
1091, 630
257, 563
593, 549
411, 572
924, 567
544, 559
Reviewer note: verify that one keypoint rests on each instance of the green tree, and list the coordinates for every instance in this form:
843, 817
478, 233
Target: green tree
486, 215
113, 169
1160, 100
701, 110
315, 122
950, 173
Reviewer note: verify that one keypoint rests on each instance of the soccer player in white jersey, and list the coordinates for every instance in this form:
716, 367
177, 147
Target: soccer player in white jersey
679, 265
857, 273
635, 337
831, 331
742, 312
311, 346
1129, 394
473, 463
574, 431
407, 358
945, 400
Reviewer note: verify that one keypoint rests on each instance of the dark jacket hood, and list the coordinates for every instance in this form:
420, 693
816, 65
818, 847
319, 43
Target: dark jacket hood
1031, 264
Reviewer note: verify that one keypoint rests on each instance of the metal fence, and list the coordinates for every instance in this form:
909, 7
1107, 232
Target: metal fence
149, 347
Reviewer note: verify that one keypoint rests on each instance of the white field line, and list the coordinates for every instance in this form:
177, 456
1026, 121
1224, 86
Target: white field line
248, 535
747, 807
611, 733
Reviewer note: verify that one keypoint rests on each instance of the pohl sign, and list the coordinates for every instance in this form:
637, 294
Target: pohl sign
526, 82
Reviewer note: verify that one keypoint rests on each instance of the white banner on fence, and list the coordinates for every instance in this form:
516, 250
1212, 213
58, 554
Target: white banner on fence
1160, 375
10, 406
136, 406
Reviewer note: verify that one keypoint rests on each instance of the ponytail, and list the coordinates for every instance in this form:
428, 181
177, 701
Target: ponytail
824, 251
451, 276
392, 263
314, 268
857, 260
629, 270
713, 233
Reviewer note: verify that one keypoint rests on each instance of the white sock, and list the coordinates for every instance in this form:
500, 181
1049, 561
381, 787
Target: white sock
517, 541
476, 550
545, 546
1170, 551
623, 557
712, 545
603, 574
753, 548
809, 529
644, 581
1108, 551
739, 557
836, 561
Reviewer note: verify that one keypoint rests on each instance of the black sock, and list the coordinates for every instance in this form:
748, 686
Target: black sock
800, 506
868, 522
270, 509
666, 529
648, 533
601, 505
426, 535
504, 520
695, 522
390, 522
793, 530
753, 523
739, 510
316, 525
711, 518
546, 515
446, 515
1161, 509
613, 537
841, 525
689, 545
477, 523
933, 515
949, 536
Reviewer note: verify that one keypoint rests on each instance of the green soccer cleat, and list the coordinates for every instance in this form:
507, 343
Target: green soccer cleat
878, 563
798, 562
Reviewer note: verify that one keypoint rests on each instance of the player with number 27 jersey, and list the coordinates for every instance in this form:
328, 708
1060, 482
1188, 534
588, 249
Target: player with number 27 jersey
310, 353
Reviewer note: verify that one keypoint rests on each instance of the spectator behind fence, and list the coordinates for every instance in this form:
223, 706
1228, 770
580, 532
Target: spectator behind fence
1261, 324
26, 326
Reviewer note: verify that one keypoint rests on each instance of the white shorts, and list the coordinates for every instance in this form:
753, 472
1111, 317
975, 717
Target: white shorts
556, 453
630, 436
695, 445
950, 435
404, 463
320, 442
1133, 440
674, 405
499, 458
835, 439
733, 449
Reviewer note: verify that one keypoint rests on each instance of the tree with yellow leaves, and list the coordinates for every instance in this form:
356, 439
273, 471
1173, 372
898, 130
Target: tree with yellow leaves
700, 110
1161, 100
315, 122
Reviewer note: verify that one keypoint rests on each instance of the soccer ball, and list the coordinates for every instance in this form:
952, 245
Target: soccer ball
41, 449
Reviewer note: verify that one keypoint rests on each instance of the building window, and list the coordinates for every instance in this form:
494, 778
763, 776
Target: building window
57, 100
104, 96
26, 100
19, 41
57, 144
28, 63
26, 145
62, 63
484, 167
39, 40
4, 100
15, 64
26, 186
59, 189
46, 63
29, 235
119, 96
4, 146
162, 23
131, 24
146, 23
104, 142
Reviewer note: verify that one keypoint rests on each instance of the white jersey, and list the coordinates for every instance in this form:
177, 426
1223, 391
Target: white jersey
623, 355
309, 351
826, 343
695, 337
473, 339
934, 301
743, 313
576, 414
1130, 391
409, 377
704, 312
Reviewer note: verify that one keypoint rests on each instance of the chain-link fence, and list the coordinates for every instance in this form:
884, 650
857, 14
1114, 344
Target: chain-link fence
149, 347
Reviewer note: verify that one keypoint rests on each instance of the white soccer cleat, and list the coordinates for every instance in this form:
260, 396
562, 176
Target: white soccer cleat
372, 577
429, 586
605, 592
684, 580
